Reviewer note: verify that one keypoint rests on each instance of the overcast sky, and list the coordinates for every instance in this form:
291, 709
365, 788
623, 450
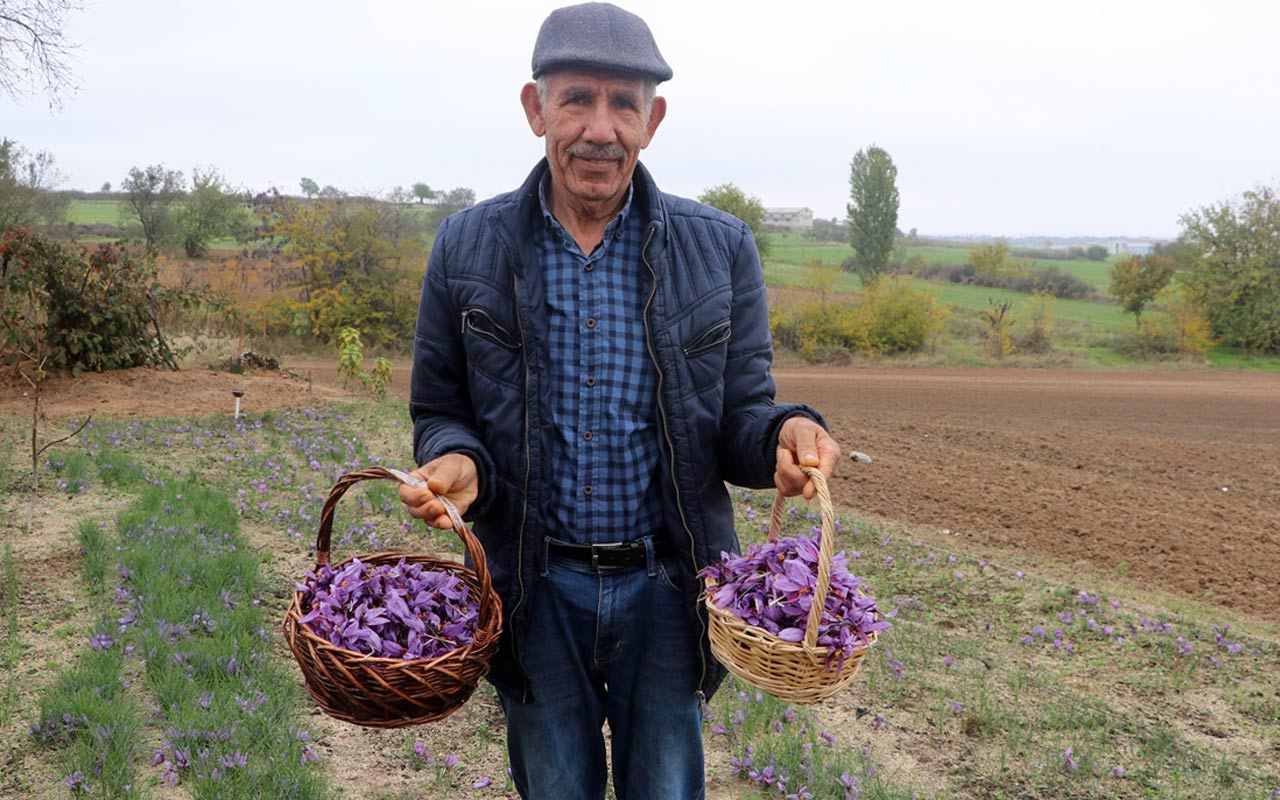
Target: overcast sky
1009, 118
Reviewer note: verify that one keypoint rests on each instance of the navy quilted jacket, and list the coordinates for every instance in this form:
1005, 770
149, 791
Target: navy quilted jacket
480, 383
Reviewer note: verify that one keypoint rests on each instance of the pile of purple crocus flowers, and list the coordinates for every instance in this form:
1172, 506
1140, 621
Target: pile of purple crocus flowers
399, 610
771, 587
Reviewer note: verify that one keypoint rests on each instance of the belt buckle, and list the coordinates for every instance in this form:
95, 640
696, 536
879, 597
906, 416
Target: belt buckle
595, 558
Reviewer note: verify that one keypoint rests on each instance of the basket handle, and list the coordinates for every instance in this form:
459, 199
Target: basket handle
825, 544
323, 536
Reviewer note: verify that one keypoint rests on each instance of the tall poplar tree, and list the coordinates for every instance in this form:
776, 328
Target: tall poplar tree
873, 211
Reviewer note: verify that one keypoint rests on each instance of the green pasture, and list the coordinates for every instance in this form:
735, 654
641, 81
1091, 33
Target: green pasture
95, 212
791, 249
1103, 317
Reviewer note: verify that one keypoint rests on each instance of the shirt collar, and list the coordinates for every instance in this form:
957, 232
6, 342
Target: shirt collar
553, 224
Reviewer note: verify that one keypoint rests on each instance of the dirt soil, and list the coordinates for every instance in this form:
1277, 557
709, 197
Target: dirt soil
1169, 478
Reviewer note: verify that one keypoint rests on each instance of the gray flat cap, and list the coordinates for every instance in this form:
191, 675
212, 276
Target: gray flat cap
598, 36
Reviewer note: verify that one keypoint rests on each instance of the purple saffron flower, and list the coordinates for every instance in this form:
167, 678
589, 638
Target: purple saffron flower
483, 783
451, 761
1068, 761
1118, 772
957, 707
100, 641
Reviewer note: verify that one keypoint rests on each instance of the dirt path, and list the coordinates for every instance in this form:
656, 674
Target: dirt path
1169, 478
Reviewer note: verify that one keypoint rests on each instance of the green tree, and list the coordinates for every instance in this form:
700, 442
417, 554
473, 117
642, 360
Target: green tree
1096, 252
448, 203
728, 197
459, 198
309, 188
27, 181
989, 258
150, 195
106, 187
212, 209
1136, 280
16, 201
423, 192
1234, 271
356, 263
873, 211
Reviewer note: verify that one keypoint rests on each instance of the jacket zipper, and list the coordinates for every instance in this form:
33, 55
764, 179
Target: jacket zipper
524, 511
709, 339
497, 334
666, 433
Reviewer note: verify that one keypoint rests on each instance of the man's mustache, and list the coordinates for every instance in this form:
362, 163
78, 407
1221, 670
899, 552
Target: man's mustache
598, 152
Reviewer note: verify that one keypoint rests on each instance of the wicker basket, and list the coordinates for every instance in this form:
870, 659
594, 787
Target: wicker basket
796, 672
387, 692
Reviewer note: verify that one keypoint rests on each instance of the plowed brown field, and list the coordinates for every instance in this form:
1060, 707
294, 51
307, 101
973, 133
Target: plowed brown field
1172, 477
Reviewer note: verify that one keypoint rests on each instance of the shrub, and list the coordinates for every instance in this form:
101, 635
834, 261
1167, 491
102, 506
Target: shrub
1190, 328
998, 331
81, 309
890, 318
1039, 338
902, 318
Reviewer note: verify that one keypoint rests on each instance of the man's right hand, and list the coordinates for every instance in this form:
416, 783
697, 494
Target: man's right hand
452, 475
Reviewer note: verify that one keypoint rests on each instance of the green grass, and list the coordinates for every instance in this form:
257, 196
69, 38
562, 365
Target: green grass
799, 250
1233, 358
1100, 317
90, 722
789, 264
229, 711
96, 212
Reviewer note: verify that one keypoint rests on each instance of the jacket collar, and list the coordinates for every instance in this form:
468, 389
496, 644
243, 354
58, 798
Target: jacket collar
526, 211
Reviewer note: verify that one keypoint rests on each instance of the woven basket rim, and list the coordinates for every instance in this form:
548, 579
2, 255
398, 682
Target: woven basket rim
730, 620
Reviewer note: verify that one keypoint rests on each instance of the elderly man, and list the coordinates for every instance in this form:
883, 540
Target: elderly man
591, 365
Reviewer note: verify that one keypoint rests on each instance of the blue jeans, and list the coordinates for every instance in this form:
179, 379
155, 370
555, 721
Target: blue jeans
617, 645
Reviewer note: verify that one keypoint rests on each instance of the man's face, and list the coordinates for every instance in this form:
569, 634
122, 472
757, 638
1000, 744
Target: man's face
595, 126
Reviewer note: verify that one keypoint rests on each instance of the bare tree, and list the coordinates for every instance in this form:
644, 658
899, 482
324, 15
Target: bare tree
34, 49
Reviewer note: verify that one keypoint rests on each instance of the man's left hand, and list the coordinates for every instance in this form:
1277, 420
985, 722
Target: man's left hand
803, 442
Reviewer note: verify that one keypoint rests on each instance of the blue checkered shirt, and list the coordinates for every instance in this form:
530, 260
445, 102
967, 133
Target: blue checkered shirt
605, 443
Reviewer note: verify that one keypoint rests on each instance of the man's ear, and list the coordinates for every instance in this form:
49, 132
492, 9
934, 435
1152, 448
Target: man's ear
656, 115
533, 108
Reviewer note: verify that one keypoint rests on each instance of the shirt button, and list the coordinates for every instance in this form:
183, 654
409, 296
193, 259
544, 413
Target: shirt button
591, 381
591, 322
589, 267
586, 490
588, 436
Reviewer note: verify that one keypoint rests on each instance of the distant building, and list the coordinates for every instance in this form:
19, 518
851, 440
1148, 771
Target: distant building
1142, 248
798, 219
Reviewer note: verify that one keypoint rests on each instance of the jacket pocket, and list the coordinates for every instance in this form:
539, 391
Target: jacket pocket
480, 322
709, 339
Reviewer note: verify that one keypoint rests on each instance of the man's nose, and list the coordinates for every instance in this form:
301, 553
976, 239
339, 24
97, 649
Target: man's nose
600, 125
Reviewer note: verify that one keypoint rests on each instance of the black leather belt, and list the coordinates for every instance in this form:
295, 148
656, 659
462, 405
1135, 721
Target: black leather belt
610, 556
